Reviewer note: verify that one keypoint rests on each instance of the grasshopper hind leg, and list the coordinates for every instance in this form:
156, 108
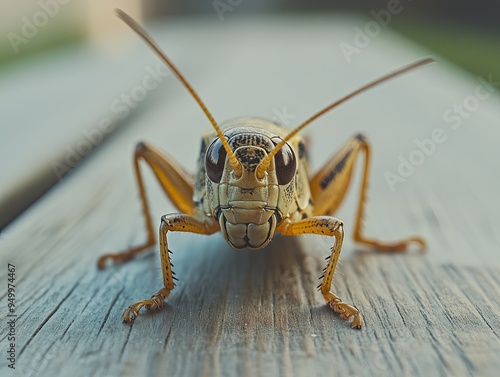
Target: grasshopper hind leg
175, 182
330, 185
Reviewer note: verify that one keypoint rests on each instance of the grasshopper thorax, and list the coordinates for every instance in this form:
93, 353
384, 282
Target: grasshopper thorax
248, 208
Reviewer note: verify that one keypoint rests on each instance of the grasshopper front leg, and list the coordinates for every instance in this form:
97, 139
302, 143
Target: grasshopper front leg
171, 222
328, 226
330, 184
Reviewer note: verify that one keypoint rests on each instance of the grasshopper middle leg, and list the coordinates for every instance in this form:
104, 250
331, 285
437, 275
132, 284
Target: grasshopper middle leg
330, 184
174, 180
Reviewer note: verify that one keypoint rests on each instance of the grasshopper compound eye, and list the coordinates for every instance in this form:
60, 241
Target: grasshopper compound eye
285, 162
215, 159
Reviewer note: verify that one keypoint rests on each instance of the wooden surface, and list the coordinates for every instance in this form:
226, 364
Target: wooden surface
258, 313
49, 104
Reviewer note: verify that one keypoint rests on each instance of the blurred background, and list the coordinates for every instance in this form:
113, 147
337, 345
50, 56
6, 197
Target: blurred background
48, 51
465, 32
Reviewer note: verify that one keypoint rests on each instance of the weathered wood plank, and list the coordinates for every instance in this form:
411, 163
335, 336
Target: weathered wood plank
75, 102
257, 313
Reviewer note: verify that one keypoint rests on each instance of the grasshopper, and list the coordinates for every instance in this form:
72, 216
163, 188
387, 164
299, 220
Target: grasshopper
253, 181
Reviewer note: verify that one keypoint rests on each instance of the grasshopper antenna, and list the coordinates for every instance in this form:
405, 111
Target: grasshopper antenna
264, 164
235, 164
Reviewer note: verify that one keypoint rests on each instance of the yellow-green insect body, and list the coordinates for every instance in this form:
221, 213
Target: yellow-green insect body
248, 208
251, 182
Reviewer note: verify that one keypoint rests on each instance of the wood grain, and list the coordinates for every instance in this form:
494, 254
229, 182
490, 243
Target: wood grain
254, 313
66, 101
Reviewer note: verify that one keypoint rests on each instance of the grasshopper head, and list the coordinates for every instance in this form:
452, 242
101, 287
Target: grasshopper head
248, 207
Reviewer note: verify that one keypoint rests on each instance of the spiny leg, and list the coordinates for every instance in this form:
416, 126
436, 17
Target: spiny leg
172, 222
331, 183
328, 226
177, 184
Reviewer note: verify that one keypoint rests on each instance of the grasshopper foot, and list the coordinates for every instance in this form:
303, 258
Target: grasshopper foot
155, 303
121, 257
347, 311
399, 246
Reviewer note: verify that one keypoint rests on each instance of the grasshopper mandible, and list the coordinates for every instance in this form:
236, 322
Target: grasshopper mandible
253, 181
